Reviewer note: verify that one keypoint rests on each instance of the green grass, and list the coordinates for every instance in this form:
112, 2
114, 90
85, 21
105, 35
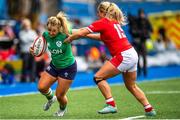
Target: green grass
84, 103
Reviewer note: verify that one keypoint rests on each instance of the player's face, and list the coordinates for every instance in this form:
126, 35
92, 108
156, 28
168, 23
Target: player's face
53, 30
100, 14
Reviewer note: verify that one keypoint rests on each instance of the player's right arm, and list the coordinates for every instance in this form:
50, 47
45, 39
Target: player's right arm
95, 36
31, 50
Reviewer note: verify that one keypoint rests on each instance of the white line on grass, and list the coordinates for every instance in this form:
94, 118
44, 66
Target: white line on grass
19, 94
163, 92
31, 93
134, 117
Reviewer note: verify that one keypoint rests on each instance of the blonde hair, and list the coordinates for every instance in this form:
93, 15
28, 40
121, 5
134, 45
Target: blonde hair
102, 7
112, 11
60, 20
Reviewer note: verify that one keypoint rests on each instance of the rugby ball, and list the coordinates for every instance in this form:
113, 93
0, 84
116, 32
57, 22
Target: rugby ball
39, 46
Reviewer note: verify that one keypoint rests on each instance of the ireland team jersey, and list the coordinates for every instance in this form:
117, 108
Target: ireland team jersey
61, 53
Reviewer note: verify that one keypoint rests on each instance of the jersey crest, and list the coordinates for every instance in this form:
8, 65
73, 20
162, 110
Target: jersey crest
59, 43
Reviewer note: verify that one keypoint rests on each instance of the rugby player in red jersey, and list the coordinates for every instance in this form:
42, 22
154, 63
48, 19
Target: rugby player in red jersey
124, 57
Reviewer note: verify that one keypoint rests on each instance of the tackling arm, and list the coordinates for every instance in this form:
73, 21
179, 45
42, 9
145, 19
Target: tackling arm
78, 34
95, 36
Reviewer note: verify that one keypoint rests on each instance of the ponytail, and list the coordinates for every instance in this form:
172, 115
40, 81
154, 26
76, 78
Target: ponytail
63, 20
114, 12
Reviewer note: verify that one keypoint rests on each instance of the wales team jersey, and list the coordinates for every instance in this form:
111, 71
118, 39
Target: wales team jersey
61, 53
111, 34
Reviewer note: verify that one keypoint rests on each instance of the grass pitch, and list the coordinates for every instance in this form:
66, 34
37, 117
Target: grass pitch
164, 95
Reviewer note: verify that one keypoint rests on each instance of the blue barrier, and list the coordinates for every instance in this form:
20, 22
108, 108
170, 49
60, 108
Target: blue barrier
86, 79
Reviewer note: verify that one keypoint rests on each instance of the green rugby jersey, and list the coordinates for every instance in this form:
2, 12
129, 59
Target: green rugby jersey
61, 53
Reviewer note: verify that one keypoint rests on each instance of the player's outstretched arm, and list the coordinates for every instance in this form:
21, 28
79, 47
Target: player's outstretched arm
76, 35
94, 36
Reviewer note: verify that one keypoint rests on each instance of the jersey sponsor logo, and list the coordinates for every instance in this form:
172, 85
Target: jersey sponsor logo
56, 51
59, 43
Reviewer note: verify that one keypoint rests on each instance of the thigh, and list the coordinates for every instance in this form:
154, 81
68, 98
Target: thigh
63, 86
129, 78
46, 80
107, 71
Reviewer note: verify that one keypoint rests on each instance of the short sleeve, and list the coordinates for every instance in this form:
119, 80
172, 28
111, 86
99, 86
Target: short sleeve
96, 26
45, 35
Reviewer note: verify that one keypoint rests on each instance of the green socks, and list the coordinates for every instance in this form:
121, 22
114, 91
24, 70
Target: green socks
49, 94
62, 107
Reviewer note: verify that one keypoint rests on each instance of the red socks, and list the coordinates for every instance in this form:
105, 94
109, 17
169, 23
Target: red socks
110, 101
148, 108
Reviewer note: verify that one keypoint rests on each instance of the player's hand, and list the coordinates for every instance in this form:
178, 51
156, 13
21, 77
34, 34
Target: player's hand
105, 58
31, 50
68, 40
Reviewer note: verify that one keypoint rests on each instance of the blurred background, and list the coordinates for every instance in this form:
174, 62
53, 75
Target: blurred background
153, 29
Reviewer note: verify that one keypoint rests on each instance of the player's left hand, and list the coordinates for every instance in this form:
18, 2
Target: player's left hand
67, 40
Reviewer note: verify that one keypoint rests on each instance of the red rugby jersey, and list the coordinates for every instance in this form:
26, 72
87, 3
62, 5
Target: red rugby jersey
111, 34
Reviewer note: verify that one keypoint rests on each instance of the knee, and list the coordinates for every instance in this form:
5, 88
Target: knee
98, 79
131, 87
60, 95
42, 88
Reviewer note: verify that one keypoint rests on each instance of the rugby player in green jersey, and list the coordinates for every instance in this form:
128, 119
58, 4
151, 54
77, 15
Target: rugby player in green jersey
62, 67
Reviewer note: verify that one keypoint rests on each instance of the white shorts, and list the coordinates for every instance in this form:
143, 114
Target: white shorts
126, 61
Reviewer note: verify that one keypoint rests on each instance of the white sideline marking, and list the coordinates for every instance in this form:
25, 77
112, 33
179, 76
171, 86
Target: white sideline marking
134, 117
88, 87
31, 93
163, 92
19, 94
